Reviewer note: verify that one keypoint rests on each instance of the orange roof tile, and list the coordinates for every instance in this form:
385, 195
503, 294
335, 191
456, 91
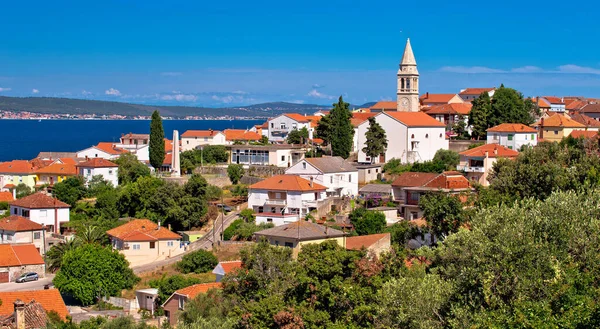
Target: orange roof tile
575, 105
39, 200
414, 119
475, 91
17, 167
542, 103
19, 224
492, 150
19, 255
50, 299
97, 163
287, 183
585, 120
241, 135
584, 134
512, 128
454, 108
231, 265
58, 169
192, 291
68, 161
449, 180
385, 105
411, 179
365, 241
560, 120
554, 99
110, 148
303, 118
358, 118
436, 98
200, 133
6, 197
142, 230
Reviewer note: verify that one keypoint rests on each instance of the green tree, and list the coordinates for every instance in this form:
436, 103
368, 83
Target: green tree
90, 271
478, 117
336, 129
200, 261
156, 147
98, 185
167, 285
90, 234
23, 190
298, 136
264, 140
395, 167
247, 215
235, 172
70, 190
444, 213
324, 129
367, 222
376, 140
450, 159
54, 256
509, 106
130, 169
460, 128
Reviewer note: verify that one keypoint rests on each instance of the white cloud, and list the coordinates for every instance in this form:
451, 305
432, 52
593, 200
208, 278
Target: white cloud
86, 93
171, 74
470, 69
297, 101
527, 69
35, 91
567, 69
571, 68
317, 86
5, 89
112, 92
180, 98
316, 94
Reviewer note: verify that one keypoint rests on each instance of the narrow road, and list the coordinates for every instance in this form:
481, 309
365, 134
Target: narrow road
206, 243
31, 285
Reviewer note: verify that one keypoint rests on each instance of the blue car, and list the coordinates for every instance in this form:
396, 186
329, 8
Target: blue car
31, 276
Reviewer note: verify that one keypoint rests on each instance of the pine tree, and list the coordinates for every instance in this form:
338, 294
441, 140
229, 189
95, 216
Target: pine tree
478, 117
342, 132
157, 141
376, 140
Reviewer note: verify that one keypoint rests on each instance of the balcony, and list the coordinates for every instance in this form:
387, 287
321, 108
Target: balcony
276, 202
474, 169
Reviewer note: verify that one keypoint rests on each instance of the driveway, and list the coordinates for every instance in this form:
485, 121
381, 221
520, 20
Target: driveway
32, 285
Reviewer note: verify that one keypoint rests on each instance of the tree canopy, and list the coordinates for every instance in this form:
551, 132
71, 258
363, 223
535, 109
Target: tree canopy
298, 136
376, 140
156, 147
336, 129
235, 172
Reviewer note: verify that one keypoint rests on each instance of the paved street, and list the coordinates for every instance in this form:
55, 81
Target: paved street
33, 285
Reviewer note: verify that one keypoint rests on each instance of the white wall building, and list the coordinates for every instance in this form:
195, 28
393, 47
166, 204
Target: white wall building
193, 139
284, 199
283, 156
97, 166
338, 175
412, 137
512, 135
103, 150
279, 127
42, 209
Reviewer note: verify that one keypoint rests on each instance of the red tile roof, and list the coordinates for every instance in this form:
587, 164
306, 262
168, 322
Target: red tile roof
303, 118
411, 179
6, 196
585, 120
414, 119
142, 230
19, 255
39, 200
287, 183
50, 299
590, 108
385, 105
575, 105
192, 291
512, 128
230, 265
97, 163
200, 133
358, 118
241, 135
542, 103
584, 134
67, 160
110, 148
449, 180
559, 120
436, 98
492, 150
17, 167
554, 99
19, 224
58, 169
365, 241
475, 91
454, 108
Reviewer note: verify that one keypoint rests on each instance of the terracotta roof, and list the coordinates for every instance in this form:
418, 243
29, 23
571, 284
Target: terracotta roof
39, 200
192, 291
19, 224
6, 197
301, 231
449, 180
554, 99
19, 255
142, 230
585, 120
10, 186
365, 241
358, 118
559, 120
414, 119
136, 136
584, 134
454, 108
226, 267
303, 118
200, 133
17, 167
241, 135
35, 317
265, 125
475, 91
590, 108
385, 105
542, 103
436, 98
97, 163
411, 179
110, 148
493, 151
67, 161
330, 165
287, 183
59, 169
512, 128
50, 299
575, 104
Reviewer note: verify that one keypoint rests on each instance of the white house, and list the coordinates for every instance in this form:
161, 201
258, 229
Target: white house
557, 104
192, 139
470, 94
279, 127
338, 175
42, 209
512, 135
104, 150
284, 199
98, 166
282, 156
356, 120
412, 137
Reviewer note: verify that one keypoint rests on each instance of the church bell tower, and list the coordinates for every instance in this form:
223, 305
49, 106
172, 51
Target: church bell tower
408, 82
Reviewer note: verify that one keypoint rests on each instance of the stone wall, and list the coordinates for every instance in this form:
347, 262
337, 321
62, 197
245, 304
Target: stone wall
16, 272
459, 146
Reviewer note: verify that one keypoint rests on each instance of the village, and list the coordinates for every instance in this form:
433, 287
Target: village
151, 224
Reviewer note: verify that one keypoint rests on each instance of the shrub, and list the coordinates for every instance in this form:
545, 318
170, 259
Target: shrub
200, 261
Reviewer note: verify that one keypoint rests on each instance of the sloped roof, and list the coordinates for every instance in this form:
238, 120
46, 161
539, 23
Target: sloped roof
414, 119
584, 134
6, 197
35, 317
136, 136
493, 151
329, 165
225, 267
408, 57
454, 108
559, 120
287, 183
590, 108
241, 135
194, 290
585, 120
39, 200
97, 163
411, 179
385, 105
365, 241
18, 224
67, 160
302, 231
66, 169
436, 98
376, 188
50, 299
512, 128
142, 230
110, 148
303, 118
19, 255
200, 133
449, 180
17, 167
475, 91
542, 103
554, 99
575, 104
360, 117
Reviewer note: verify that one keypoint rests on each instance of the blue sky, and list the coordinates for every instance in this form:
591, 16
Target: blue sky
233, 52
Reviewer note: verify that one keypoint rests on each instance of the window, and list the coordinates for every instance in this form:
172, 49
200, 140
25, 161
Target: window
414, 145
136, 246
269, 220
495, 137
187, 142
350, 178
273, 209
282, 125
510, 137
272, 125
331, 179
376, 170
206, 139
277, 243
96, 155
110, 172
556, 132
277, 195
294, 126
89, 171
15, 211
368, 171
170, 243
283, 158
152, 245
181, 302
440, 135
426, 135
532, 137
9, 237
412, 136
37, 235
289, 245
303, 165
25, 213
261, 210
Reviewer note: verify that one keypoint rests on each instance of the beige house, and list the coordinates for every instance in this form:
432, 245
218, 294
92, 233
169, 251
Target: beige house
556, 127
193, 139
375, 244
477, 162
142, 241
20, 230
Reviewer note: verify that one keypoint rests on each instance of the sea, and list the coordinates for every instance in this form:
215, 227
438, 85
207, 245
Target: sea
24, 139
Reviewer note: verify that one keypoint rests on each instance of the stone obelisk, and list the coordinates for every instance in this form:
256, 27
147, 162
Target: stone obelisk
175, 165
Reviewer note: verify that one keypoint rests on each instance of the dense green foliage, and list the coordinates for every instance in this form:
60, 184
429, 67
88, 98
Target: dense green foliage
130, 169
443, 160
367, 221
156, 146
23, 190
376, 140
209, 154
443, 212
91, 270
298, 136
168, 284
70, 190
240, 230
200, 261
336, 129
235, 172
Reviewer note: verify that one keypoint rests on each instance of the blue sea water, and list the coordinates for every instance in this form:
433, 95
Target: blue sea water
24, 139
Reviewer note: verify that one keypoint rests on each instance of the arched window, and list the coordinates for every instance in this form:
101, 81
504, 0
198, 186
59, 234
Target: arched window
412, 136
408, 84
440, 135
426, 135
402, 83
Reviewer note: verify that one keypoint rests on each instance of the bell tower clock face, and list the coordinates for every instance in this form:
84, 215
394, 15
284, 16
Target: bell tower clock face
404, 104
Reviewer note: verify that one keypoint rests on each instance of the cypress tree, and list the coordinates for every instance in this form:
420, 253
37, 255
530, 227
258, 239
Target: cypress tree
342, 131
480, 112
157, 141
376, 140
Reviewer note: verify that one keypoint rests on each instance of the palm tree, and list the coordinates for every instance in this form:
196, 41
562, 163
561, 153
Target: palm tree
90, 234
55, 255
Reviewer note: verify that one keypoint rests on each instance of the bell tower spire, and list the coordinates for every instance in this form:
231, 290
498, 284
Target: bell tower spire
408, 81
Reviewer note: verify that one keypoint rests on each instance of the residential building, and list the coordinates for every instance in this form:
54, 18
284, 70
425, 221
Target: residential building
103, 150
412, 137
146, 299
409, 187
20, 230
284, 199
176, 302
574, 105
280, 126
449, 114
470, 94
193, 139
542, 104
368, 172
135, 139
55, 155
556, 127
17, 172
356, 119
142, 241
381, 107
338, 175
557, 104
282, 156
375, 244
390, 213
585, 134
296, 235
477, 162
49, 299
236, 136
99, 167
30, 315
19, 259
383, 192
512, 135
191, 236
407, 94
223, 268
55, 173
592, 110
439, 99
42, 209
589, 122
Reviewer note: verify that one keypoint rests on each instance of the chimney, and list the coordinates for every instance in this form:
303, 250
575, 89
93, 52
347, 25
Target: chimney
311, 181
20, 314
14, 190
495, 150
427, 95
486, 154
158, 227
169, 227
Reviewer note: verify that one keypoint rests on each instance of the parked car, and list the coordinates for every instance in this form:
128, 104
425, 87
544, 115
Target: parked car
31, 276
225, 207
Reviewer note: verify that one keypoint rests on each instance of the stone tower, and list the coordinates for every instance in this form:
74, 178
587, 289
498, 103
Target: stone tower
175, 165
408, 82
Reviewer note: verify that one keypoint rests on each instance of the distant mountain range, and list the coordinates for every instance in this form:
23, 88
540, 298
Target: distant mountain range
52, 105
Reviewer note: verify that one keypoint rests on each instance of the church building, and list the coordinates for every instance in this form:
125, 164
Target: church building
408, 82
